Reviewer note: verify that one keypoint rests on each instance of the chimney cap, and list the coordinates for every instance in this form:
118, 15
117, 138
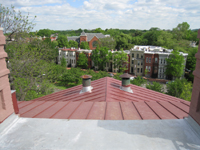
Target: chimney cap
126, 75
86, 77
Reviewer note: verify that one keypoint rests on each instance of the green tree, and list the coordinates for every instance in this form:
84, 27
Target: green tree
152, 36
123, 41
138, 81
120, 60
72, 77
155, 86
73, 44
28, 64
13, 22
165, 39
54, 43
44, 32
186, 93
175, 65
98, 30
82, 61
100, 57
145, 71
108, 42
55, 72
191, 63
180, 88
181, 31
137, 40
62, 41
84, 45
63, 62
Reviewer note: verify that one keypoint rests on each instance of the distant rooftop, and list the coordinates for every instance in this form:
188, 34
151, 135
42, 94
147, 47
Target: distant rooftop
154, 49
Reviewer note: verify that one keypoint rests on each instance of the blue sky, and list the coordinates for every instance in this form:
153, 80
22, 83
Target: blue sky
123, 14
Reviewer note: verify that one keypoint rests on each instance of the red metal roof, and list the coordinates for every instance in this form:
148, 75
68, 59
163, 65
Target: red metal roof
106, 101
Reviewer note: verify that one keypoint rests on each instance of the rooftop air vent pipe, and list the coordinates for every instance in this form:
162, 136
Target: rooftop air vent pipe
126, 83
86, 84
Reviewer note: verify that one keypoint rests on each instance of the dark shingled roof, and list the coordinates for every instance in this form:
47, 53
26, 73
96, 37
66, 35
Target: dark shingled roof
105, 102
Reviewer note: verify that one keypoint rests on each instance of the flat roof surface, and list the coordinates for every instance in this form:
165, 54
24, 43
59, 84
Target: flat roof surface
106, 102
51, 134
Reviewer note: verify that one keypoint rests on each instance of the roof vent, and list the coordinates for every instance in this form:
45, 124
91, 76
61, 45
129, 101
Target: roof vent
126, 83
86, 84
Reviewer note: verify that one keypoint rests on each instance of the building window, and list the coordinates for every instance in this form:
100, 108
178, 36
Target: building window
141, 63
161, 61
94, 44
132, 54
156, 60
147, 60
149, 68
141, 56
137, 55
131, 69
138, 70
132, 61
141, 70
146, 67
138, 63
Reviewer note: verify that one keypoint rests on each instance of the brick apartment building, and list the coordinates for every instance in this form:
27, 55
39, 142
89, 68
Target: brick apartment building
151, 58
151, 64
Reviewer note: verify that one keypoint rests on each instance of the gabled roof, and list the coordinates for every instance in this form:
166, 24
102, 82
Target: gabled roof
91, 35
107, 102
74, 38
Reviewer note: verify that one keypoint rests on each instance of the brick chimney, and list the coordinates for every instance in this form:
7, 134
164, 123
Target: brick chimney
6, 104
195, 100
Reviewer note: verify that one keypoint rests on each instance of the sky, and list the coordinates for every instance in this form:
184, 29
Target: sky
122, 14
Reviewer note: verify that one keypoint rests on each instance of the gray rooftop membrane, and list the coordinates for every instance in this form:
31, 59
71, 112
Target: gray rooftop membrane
36, 134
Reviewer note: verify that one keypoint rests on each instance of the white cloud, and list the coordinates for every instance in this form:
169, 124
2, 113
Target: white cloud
124, 14
21, 3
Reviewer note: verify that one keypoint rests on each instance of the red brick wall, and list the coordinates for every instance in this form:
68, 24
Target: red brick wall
83, 38
156, 64
127, 71
149, 64
195, 100
6, 105
89, 61
91, 41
